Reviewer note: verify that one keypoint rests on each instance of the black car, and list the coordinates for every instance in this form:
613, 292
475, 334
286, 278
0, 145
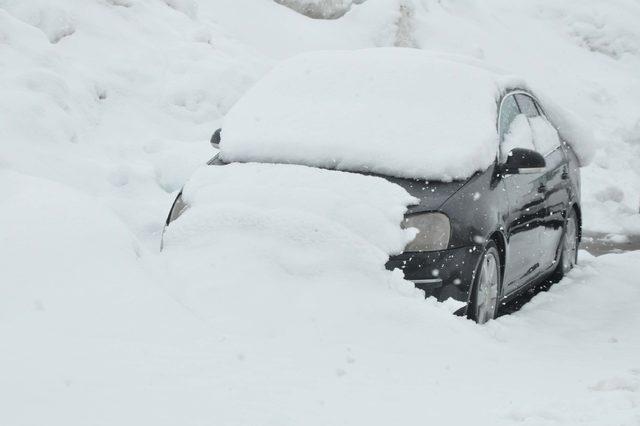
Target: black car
485, 239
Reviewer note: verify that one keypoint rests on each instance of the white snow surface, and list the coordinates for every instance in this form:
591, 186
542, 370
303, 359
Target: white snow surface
202, 334
105, 110
244, 206
320, 9
396, 111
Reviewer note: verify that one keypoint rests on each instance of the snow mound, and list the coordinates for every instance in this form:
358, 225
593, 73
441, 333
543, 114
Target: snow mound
262, 236
86, 276
320, 9
303, 220
400, 112
116, 98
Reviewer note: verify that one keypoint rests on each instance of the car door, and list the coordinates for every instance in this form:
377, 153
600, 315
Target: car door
555, 179
525, 218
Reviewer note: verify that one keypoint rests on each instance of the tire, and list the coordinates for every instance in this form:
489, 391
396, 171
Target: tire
569, 247
487, 285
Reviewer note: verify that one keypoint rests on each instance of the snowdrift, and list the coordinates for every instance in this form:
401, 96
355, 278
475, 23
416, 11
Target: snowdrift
284, 263
115, 98
267, 223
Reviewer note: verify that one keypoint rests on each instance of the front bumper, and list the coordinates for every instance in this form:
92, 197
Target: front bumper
442, 274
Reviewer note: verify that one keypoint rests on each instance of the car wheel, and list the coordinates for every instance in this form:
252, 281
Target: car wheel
485, 294
569, 251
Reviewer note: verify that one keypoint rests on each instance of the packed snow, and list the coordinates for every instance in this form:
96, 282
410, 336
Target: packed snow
320, 9
398, 111
122, 339
254, 203
106, 107
545, 136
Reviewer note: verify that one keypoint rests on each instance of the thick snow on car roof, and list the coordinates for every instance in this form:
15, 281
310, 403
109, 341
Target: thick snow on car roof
400, 112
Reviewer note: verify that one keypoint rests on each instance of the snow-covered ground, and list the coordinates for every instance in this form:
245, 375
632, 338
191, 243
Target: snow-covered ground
106, 107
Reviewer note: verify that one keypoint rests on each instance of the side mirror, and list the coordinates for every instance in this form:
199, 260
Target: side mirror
215, 139
523, 161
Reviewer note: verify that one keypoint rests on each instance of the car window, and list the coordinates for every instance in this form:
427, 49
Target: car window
527, 105
519, 135
508, 111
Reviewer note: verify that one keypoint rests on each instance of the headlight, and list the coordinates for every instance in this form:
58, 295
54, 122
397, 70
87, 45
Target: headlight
434, 231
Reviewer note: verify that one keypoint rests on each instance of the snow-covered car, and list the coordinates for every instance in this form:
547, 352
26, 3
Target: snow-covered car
493, 170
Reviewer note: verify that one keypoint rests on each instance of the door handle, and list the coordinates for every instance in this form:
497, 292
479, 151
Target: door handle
542, 188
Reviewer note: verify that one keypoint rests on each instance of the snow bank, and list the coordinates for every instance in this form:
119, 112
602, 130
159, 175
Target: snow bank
400, 112
116, 98
312, 336
90, 335
85, 325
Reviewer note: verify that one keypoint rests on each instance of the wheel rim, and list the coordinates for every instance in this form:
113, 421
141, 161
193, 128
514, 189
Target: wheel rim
487, 293
570, 248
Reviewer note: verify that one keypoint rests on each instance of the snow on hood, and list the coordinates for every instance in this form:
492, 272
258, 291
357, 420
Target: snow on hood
394, 111
301, 218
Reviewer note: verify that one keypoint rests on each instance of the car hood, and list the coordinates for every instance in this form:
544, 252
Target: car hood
432, 194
